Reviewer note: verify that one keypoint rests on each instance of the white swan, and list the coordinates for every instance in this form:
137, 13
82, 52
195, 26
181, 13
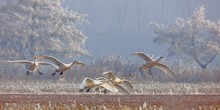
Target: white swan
89, 83
33, 65
117, 81
155, 63
60, 66
119, 88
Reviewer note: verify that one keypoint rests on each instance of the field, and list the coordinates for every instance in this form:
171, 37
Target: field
101, 101
151, 96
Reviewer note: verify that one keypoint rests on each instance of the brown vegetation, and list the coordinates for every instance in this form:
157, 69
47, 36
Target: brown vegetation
106, 102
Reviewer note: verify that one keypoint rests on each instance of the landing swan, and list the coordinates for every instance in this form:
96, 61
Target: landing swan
89, 83
117, 81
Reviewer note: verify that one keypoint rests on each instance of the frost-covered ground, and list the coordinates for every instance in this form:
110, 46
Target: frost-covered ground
150, 88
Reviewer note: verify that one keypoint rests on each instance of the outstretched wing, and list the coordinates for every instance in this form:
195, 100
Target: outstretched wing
121, 89
52, 59
109, 86
86, 82
128, 86
21, 61
142, 55
109, 75
165, 69
46, 63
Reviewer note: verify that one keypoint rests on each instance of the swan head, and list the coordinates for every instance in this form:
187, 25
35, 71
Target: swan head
35, 57
79, 63
161, 57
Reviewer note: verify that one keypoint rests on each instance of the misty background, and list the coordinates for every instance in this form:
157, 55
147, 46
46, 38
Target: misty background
117, 28
121, 27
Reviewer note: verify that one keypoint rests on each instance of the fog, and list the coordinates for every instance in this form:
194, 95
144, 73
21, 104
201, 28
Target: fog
123, 26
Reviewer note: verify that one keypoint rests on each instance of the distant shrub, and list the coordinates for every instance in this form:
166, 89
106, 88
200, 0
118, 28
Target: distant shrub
185, 70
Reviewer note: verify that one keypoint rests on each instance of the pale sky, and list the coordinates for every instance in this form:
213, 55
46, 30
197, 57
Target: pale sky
122, 26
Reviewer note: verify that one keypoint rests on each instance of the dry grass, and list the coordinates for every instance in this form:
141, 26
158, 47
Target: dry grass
212, 107
150, 88
73, 106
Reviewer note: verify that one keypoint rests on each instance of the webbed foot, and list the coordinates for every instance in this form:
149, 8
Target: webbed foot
53, 74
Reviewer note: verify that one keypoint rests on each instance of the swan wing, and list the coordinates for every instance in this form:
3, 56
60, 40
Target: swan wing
143, 56
89, 81
46, 63
109, 86
121, 89
109, 75
52, 59
102, 78
128, 86
86, 82
21, 61
165, 69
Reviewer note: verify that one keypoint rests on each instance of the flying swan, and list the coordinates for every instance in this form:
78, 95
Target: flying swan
33, 65
155, 63
60, 66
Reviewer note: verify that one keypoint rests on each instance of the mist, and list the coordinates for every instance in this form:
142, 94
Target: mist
122, 27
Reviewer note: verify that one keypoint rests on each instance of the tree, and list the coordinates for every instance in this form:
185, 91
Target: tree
191, 37
34, 27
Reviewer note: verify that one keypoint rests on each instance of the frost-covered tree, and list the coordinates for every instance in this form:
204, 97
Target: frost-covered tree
191, 37
34, 27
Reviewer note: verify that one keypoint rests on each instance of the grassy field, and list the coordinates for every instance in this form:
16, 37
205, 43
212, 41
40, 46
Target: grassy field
193, 89
147, 96
108, 102
150, 88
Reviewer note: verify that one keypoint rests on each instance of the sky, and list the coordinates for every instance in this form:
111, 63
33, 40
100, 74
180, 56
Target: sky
121, 27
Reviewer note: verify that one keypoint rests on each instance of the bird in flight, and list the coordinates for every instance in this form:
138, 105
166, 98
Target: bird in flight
59, 65
154, 63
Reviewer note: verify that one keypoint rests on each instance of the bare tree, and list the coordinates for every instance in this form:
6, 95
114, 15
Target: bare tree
191, 37
34, 27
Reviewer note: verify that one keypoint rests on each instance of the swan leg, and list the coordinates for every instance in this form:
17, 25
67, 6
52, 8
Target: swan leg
142, 72
105, 90
27, 73
40, 73
53, 73
140, 68
150, 73
88, 90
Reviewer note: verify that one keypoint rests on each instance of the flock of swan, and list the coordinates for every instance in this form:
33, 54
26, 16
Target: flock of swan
109, 82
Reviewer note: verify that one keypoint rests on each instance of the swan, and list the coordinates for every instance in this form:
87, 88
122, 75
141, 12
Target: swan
154, 63
117, 86
33, 65
89, 83
117, 81
60, 66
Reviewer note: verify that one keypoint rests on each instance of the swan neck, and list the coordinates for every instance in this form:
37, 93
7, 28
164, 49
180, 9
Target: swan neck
159, 59
72, 63
34, 60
